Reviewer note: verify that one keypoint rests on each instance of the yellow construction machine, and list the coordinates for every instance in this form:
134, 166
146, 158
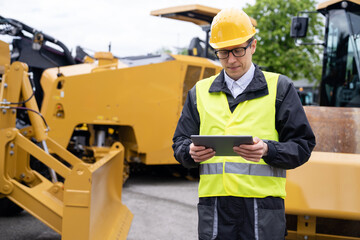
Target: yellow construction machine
323, 196
97, 100
86, 202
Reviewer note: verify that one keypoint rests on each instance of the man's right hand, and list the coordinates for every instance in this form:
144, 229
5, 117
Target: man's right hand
201, 153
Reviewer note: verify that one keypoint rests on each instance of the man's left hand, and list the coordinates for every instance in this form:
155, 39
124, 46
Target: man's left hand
252, 152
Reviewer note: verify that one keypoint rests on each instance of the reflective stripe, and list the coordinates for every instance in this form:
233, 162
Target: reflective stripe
256, 218
243, 168
211, 168
215, 223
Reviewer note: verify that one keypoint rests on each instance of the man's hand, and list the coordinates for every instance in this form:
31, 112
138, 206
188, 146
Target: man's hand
201, 153
252, 152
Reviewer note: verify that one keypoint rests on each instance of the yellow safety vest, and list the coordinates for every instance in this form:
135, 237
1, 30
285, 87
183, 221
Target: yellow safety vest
235, 176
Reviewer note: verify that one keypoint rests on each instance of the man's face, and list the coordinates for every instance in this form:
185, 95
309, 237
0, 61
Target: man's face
236, 67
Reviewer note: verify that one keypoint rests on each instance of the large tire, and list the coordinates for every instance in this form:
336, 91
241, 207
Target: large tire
9, 208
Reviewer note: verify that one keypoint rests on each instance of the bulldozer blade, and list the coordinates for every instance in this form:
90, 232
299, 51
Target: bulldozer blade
92, 200
336, 129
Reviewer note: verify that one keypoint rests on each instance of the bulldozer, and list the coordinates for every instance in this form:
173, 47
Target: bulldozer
323, 197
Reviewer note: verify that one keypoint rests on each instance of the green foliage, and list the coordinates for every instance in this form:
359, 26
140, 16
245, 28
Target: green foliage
276, 50
163, 50
182, 51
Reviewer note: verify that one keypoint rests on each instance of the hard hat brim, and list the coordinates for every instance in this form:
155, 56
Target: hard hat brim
232, 42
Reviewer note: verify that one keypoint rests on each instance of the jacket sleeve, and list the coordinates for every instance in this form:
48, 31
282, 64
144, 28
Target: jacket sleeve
296, 138
188, 124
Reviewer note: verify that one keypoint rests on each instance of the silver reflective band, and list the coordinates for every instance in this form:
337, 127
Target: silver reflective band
242, 168
211, 168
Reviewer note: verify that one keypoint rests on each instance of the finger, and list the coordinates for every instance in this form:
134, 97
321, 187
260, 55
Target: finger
208, 153
248, 154
196, 148
200, 152
254, 147
248, 151
204, 157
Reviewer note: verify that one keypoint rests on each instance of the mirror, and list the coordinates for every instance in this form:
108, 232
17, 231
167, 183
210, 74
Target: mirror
299, 27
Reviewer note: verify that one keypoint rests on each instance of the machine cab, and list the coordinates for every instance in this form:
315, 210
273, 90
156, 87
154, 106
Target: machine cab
340, 84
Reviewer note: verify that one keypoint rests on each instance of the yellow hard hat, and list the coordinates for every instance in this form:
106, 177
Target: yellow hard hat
230, 27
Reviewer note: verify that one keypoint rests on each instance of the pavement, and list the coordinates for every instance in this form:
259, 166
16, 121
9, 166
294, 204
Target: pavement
164, 207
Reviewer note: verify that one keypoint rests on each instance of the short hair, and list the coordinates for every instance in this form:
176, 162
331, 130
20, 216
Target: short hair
250, 39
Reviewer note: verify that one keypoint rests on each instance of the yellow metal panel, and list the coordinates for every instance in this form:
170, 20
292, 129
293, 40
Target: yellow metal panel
324, 187
189, 13
325, 4
173, 12
4, 56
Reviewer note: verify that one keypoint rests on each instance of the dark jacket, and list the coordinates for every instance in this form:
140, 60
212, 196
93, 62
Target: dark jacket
296, 139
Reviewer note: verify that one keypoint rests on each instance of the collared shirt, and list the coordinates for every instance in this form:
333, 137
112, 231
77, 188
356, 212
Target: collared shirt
238, 86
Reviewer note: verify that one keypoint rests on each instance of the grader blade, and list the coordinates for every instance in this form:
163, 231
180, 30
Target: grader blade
88, 204
92, 200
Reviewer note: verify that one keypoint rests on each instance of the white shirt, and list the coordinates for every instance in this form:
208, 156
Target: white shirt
238, 86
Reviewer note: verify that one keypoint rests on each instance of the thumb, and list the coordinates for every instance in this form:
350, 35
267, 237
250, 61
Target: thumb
256, 140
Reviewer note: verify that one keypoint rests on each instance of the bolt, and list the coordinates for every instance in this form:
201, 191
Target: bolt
12, 145
11, 152
13, 111
22, 175
306, 237
80, 171
6, 188
55, 189
4, 111
5, 85
307, 217
344, 4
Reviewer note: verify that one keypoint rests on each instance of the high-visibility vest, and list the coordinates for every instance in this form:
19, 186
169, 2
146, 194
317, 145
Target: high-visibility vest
233, 175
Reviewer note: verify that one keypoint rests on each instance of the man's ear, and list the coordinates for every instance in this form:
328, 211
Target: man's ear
253, 46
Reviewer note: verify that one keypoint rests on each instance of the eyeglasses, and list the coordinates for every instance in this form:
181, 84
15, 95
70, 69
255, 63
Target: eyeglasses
237, 52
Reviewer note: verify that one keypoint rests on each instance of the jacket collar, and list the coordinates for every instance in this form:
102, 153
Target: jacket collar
256, 88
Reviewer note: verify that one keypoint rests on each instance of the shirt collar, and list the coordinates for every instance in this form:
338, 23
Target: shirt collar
258, 82
243, 81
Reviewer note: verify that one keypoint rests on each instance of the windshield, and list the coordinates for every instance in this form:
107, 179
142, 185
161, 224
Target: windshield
340, 84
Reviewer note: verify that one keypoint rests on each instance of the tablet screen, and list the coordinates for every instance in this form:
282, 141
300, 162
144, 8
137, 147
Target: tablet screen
223, 145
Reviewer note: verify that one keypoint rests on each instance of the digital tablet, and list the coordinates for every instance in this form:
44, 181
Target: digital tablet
223, 145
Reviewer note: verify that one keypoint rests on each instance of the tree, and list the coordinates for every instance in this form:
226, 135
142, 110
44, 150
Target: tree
276, 50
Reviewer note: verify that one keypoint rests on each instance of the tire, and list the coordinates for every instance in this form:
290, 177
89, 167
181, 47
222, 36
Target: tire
9, 208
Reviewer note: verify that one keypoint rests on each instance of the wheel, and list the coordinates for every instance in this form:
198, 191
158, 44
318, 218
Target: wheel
9, 208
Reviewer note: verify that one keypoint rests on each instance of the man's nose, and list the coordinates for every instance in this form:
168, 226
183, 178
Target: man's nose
231, 57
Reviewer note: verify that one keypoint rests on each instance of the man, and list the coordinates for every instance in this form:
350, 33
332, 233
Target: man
242, 197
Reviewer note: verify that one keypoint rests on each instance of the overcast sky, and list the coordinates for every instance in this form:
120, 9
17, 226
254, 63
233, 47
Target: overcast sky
93, 24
